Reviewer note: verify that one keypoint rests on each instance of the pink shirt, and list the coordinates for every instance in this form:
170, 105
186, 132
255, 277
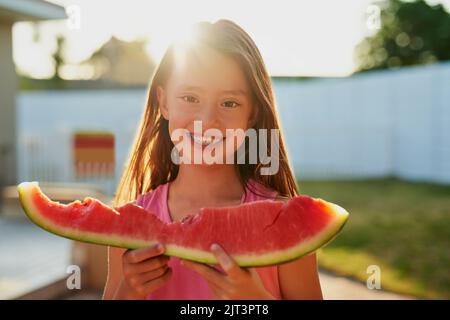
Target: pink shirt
184, 283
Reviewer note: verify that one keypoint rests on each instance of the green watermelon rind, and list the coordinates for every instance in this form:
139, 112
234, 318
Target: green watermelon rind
202, 256
274, 257
25, 191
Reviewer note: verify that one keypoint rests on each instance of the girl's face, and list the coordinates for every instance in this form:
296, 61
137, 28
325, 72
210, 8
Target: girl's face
211, 88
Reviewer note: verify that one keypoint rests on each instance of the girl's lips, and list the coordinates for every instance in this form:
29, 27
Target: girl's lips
204, 141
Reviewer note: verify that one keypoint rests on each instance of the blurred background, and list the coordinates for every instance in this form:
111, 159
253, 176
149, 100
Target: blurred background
363, 92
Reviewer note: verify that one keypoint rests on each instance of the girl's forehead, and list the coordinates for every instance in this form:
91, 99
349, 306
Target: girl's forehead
207, 68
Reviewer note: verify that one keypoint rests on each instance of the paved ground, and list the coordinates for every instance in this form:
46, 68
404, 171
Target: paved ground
31, 258
337, 288
333, 288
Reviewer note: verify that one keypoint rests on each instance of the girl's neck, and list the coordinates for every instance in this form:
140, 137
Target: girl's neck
214, 183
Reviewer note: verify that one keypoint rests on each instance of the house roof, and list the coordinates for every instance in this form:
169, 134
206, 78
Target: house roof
29, 10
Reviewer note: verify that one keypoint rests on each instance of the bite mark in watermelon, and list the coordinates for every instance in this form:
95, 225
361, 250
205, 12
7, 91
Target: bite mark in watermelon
259, 233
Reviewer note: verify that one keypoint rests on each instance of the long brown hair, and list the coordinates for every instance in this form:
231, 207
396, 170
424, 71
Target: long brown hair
150, 163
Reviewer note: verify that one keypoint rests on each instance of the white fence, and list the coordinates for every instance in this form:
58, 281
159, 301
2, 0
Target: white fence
390, 123
48, 119
377, 124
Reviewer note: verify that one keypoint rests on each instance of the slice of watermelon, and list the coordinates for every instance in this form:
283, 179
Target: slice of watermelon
257, 233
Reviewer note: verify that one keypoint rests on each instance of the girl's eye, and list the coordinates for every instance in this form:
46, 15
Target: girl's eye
230, 104
189, 99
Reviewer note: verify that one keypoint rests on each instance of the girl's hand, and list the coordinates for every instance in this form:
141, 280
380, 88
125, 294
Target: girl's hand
236, 283
144, 270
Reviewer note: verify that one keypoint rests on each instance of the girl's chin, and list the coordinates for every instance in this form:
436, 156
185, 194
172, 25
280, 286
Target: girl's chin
200, 156
208, 155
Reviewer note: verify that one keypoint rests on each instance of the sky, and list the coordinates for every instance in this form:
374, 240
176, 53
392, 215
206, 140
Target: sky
295, 37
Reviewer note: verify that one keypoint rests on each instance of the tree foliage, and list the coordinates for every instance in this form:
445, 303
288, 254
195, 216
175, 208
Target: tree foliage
411, 33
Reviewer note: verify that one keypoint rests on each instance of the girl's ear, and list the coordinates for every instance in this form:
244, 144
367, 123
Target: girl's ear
161, 94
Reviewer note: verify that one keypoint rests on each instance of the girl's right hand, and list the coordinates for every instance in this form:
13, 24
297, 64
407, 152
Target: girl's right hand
144, 270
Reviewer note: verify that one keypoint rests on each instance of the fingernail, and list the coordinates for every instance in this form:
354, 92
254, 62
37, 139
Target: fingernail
160, 247
214, 247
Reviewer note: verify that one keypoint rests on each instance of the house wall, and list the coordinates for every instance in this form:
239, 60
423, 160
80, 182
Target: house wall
8, 82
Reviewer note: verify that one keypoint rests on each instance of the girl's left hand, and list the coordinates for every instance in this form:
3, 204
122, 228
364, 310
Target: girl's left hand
236, 283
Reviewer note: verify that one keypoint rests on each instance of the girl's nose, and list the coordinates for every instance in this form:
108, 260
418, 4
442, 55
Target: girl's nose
208, 116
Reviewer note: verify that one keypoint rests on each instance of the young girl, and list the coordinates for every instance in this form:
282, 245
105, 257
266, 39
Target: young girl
220, 79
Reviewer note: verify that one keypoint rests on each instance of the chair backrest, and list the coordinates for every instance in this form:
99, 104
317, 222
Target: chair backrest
93, 154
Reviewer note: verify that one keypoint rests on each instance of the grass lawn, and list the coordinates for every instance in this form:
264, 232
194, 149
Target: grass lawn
403, 227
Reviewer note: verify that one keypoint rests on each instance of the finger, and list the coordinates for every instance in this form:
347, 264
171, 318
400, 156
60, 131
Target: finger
154, 284
217, 292
253, 273
138, 255
210, 274
226, 262
138, 280
147, 265
151, 275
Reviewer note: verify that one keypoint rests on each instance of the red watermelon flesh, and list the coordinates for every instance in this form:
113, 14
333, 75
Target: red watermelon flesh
255, 234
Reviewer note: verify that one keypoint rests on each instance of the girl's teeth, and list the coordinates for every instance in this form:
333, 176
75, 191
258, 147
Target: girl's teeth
202, 140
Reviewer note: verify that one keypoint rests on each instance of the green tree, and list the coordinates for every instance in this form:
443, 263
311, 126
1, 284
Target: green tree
411, 33
122, 62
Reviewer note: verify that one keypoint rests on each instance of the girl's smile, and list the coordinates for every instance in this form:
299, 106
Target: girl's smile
204, 141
